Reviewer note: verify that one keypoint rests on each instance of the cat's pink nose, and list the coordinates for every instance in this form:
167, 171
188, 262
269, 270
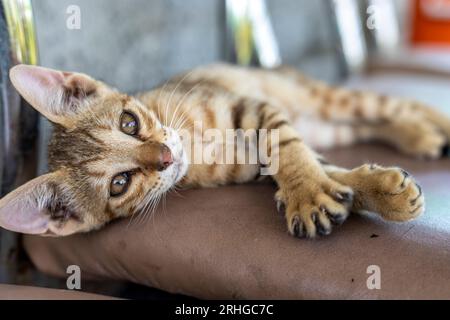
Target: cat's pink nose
166, 158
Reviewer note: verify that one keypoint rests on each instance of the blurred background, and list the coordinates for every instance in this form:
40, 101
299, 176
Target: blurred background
390, 46
136, 44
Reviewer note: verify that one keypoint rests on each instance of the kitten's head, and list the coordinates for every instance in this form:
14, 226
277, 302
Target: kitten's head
109, 156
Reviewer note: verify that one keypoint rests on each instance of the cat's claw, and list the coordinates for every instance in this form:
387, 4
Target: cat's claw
281, 207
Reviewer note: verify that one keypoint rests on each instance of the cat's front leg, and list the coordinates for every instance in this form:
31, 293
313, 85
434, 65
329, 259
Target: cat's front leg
311, 201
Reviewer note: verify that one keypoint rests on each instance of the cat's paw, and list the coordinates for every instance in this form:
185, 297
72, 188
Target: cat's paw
422, 140
312, 209
391, 192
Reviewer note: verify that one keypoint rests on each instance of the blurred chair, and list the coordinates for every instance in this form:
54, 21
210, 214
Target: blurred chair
18, 125
411, 36
363, 30
250, 39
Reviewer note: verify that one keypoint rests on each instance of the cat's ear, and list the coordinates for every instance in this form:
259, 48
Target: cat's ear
40, 207
55, 94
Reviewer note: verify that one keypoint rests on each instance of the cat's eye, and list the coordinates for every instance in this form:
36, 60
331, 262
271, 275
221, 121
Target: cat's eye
129, 123
119, 184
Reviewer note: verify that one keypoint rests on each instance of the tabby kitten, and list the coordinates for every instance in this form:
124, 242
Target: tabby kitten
113, 155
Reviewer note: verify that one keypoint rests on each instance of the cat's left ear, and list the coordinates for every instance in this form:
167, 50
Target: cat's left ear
55, 94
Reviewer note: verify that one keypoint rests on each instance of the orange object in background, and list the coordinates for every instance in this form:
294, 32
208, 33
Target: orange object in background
431, 22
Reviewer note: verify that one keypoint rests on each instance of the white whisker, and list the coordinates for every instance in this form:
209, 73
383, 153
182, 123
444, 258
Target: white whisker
158, 100
173, 92
182, 100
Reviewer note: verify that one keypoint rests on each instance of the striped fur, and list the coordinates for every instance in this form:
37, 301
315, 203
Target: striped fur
87, 149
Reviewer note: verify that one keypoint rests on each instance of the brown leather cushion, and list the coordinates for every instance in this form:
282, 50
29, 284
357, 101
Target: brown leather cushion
231, 243
11, 292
